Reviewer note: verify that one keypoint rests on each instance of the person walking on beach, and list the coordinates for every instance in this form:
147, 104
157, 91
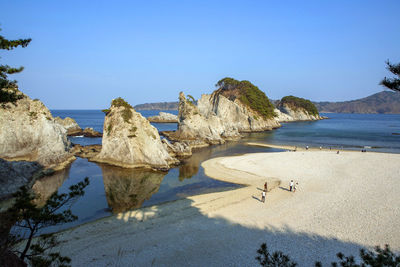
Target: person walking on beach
295, 186
265, 187
291, 184
263, 196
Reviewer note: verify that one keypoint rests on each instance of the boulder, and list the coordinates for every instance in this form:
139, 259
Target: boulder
130, 141
29, 132
164, 117
177, 149
88, 151
69, 124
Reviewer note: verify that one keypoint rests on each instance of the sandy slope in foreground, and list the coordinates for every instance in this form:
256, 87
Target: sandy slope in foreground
344, 202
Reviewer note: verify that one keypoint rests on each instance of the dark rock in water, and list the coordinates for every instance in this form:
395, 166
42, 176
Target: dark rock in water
86, 151
14, 174
87, 132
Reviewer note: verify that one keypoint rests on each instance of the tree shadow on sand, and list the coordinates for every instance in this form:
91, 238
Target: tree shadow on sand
151, 236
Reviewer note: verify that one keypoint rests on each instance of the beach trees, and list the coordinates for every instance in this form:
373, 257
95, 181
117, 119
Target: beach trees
6, 85
30, 220
379, 257
392, 83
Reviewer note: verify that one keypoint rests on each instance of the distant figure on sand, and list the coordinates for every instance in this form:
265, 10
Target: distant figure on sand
306, 147
337, 152
265, 187
295, 187
291, 184
263, 196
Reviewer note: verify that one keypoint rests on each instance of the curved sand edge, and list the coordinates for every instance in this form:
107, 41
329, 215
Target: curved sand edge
344, 202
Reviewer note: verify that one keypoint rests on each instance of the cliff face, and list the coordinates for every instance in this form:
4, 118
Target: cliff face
215, 118
130, 141
29, 132
286, 113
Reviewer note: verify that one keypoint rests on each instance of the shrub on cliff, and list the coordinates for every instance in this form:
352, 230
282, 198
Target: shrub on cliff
296, 103
248, 94
127, 112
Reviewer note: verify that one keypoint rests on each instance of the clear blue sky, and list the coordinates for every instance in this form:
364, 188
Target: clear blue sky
85, 53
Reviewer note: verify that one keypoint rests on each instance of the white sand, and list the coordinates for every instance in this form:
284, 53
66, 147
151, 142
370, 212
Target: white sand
343, 202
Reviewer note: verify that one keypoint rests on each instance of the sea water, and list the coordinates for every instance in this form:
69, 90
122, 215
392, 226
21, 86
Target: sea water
113, 189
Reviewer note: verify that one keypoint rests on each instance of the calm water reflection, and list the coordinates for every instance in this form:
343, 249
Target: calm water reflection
127, 189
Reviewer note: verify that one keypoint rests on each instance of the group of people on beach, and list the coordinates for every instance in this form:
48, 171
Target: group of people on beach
292, 188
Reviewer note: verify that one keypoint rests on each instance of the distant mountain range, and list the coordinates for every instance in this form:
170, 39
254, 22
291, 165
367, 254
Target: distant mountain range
386, 102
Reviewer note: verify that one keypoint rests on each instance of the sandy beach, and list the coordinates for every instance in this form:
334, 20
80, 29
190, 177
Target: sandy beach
344, 202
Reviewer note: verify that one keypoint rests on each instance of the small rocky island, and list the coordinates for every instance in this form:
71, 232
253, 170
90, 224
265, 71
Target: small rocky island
235, 107
164, 117
73, 129
130, 141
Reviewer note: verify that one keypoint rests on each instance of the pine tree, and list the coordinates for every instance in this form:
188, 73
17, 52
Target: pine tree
392, 83
30, 219
7, 87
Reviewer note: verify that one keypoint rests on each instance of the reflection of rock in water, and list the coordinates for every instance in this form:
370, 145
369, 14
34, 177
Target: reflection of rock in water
46, 186
191, 165
127, 189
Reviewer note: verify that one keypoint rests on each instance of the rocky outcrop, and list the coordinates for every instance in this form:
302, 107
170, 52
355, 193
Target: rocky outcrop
87, 132
215, 119
127, 189
130, 140
288, 114
88, 151
14, 174
177, 149
291, 108
164, 117
69, 124
29, 132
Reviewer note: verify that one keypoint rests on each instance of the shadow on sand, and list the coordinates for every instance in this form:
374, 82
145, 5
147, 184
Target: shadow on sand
179, 234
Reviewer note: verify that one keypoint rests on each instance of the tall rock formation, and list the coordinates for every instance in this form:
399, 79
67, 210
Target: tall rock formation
130, 141
237, 106
29, 132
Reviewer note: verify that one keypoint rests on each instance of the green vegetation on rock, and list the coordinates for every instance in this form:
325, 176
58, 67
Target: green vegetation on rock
127, 112
300, 103
248, 94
